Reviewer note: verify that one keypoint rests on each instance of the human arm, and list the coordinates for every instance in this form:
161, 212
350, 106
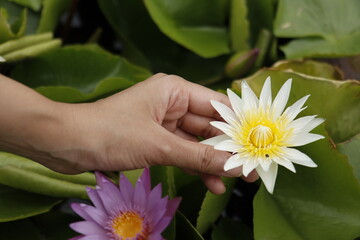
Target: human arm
152, 123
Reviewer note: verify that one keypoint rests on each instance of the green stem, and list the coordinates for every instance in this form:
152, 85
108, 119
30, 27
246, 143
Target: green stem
262, 43
32, 51
23, 42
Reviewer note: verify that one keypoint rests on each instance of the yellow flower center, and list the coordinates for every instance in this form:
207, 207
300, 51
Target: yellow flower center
261, 136
128, 225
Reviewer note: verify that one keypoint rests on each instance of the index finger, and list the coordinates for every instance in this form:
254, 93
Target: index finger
199, 100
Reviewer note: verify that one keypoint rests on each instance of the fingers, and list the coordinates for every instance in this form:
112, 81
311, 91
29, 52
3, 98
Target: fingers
198, 125
252, 177
213, 183
184, 135
199, 100
198, 157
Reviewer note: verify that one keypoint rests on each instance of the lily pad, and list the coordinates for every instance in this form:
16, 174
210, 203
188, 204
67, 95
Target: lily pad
213, 205
336, 101
313, 203
351, 149
158, 53
17, 204
78, 73
325, 28
312, 68
198, 26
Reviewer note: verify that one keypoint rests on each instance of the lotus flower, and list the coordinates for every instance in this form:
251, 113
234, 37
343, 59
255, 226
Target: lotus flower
260, 134
124, 213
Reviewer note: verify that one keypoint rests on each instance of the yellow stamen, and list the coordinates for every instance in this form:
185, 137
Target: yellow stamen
261, 136
128, 225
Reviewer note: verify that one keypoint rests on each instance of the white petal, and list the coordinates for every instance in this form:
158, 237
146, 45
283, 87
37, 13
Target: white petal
225, 112
2, 59
264, 163
215, 140
298, 157
249, 165
233, 162
229, 146
248, 96
292, 111
268, 177
265, 95
312, 124
236, 102
300, 123
281, 99
224, 127
285, 163
303, 139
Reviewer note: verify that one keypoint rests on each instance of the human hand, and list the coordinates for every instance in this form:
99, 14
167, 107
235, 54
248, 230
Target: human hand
154, 122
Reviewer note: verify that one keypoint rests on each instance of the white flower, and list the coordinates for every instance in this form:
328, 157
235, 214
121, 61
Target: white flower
2, 59
260, 133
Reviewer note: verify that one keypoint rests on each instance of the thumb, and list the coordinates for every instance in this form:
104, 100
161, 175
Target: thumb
196, 156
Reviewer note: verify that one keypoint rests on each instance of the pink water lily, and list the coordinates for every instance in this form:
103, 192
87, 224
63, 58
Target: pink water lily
124, 212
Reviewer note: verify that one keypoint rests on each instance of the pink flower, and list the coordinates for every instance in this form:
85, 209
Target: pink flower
124, 213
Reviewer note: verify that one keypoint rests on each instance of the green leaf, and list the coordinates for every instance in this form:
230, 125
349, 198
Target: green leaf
26, 164
261, 16
192, 190
314, 203
11, 30
229, 229
133, 175
341, 112
51, 13
239, 26
165, 176
14, 11
325, 28
22, 173
78, 73
33, 182
213, 205
33, 4
158, 52
198, 26
17, 204
184, 228
128, 17
351, 149
312, 68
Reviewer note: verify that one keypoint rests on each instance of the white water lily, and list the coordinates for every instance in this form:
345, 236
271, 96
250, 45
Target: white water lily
260, 133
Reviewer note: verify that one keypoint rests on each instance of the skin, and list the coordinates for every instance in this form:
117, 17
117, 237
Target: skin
154, 122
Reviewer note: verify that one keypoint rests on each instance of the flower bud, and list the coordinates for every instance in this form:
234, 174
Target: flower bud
240, 63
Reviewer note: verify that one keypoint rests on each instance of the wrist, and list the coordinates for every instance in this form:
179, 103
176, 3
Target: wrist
42, 131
